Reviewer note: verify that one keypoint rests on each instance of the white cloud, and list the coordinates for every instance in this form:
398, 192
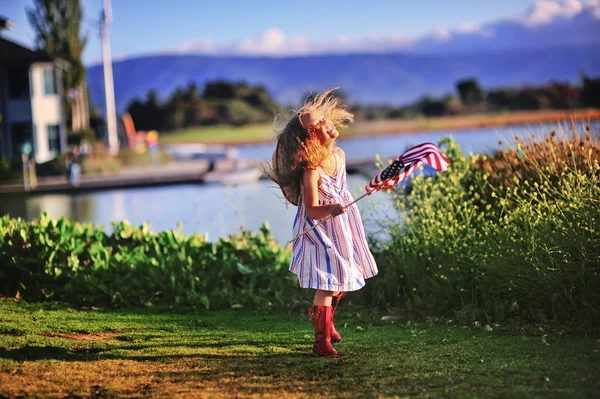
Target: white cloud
274, 42
469, 27
270, 42
545, 11
441, 34
593, 7
203, 46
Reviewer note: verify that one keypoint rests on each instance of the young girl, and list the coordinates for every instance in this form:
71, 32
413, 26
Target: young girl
334, 257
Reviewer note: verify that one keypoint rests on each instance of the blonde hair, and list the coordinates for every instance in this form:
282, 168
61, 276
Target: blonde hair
297, 149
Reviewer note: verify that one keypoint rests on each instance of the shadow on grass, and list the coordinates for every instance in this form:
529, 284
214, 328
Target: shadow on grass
50, 353
78, 354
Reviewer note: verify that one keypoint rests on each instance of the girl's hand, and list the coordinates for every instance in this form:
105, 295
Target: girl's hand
336, 209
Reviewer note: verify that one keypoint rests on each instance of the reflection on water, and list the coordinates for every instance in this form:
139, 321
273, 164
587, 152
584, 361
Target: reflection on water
56, 205
213, 209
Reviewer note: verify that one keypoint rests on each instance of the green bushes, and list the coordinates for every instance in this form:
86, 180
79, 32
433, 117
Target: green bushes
65, 260
513, 233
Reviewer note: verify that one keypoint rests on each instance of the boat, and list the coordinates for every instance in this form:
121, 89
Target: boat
233, 177
200, 151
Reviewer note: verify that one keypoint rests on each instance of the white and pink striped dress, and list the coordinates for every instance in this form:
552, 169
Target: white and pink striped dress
334, 256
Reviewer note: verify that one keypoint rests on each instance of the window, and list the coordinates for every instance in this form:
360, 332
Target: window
53, 138
50, 81
18, 83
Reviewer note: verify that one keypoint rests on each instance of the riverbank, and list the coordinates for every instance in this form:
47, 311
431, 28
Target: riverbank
255, 134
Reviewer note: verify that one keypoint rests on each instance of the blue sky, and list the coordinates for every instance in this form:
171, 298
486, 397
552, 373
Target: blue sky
249, 27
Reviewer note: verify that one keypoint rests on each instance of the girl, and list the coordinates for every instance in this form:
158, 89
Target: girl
333, 258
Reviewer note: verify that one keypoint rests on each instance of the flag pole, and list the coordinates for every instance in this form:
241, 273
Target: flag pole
327, 218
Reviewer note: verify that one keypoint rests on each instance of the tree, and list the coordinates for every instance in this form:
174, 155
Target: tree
432, 107
149, 115
561, 95
57, 25
530, 98
219, 90
590, 92
470, 92
502, 99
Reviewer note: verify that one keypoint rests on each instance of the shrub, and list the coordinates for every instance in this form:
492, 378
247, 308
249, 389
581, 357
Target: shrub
516, 230
64, 260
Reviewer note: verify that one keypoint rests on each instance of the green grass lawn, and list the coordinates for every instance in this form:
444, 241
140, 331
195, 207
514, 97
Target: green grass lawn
221, 134
50, 350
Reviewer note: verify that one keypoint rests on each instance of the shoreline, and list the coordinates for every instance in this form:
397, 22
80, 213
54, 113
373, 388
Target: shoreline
424, 125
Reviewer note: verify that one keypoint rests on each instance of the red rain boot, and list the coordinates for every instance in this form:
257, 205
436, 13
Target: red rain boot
321, 317
335, 335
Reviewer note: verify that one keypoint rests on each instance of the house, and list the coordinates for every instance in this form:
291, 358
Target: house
31, 110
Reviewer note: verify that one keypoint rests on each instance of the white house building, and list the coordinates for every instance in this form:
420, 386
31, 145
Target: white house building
31, 110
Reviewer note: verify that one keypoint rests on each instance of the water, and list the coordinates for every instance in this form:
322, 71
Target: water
390, 146
220, 211
213, 209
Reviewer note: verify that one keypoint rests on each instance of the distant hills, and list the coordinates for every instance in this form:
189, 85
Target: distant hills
397, 78
554, 40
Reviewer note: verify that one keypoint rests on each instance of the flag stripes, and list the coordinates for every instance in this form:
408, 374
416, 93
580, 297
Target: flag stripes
411, 159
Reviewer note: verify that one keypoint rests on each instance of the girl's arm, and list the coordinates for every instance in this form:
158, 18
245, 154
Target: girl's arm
310, 184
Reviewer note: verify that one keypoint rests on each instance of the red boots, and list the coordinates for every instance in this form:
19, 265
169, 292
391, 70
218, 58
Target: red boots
335, 335
322, 319
325, 331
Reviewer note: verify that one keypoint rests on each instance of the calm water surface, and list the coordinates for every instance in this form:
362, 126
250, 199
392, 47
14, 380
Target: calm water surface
220, 211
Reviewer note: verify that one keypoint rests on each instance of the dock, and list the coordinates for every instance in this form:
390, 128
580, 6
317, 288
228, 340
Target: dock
177, 172
172, 173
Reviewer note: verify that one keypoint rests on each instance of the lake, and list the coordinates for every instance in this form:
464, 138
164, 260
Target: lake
220, 211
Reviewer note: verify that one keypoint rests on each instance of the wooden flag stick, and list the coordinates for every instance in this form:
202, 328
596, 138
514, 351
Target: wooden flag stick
326, 219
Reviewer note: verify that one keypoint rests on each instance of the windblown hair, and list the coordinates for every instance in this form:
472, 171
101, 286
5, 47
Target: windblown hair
297, 150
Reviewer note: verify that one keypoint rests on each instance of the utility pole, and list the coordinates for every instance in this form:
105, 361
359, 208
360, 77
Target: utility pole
109, 90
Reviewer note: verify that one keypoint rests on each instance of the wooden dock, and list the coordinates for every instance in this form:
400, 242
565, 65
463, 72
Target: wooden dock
174, 173
180, 172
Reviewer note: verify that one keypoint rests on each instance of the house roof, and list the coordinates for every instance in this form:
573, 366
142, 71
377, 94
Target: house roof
14, 54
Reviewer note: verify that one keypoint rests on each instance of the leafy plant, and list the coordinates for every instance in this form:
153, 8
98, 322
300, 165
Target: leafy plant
66, 260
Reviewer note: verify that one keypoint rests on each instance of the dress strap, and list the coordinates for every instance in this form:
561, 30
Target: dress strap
337, 150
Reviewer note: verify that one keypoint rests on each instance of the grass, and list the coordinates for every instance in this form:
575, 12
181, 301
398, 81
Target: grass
223, 134
220, 134
51, 350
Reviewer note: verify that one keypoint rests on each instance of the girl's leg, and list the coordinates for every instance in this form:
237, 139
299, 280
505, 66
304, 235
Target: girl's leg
323, 298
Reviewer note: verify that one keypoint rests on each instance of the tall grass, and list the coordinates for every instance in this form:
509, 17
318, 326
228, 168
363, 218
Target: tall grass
512, 233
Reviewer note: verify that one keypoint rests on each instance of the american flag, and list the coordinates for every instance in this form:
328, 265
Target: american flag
426, 153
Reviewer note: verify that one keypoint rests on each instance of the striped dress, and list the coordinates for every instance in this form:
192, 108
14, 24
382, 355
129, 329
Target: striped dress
334, 256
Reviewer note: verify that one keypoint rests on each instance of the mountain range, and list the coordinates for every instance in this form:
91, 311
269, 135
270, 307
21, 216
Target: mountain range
553, 41
366, 78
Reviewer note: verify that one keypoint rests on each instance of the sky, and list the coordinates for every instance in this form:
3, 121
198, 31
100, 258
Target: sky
268, 27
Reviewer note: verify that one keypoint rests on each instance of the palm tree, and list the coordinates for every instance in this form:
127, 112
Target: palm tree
57, 24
